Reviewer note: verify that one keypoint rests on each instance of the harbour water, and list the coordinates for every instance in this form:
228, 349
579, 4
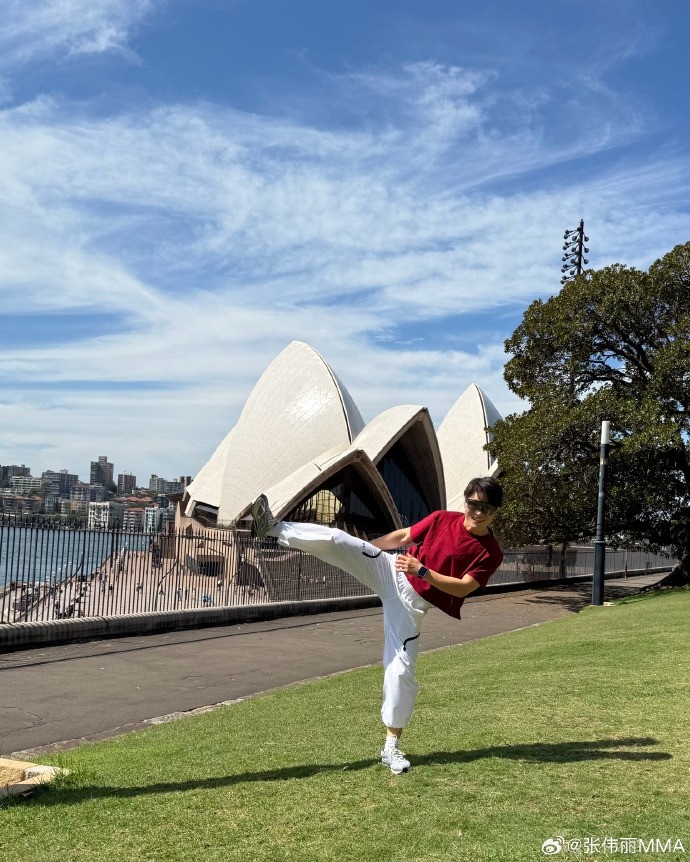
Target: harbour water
39, 555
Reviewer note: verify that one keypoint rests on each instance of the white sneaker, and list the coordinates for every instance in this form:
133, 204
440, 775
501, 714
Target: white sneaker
395, 759
263, 517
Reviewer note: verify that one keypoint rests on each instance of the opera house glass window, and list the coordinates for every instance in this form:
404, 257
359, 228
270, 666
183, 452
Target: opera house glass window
345, 501
401, 480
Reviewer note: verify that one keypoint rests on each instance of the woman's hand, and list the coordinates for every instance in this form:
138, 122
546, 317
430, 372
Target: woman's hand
407, 564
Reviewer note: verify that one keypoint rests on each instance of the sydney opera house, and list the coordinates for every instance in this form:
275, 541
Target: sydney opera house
301, 440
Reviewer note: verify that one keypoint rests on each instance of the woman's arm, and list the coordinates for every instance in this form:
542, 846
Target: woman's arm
397, 539
460, 587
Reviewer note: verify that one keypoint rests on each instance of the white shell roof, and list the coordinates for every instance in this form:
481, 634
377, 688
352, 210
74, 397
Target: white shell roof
286, 494
297, 410
462, 438
208, 484
392, 425
300, 424
370, 445
378, 436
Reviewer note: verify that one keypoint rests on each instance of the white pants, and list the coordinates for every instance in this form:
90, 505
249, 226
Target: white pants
403, 607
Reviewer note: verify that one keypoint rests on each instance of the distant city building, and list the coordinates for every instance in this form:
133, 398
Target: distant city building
152, 519
51, 504
68, 507
158, 485
89, 493
126, 483
133, 519
102, 472
7, 472
74, 508
62, 492
59, 482
168, 514
105, 516
18, 505
23, 485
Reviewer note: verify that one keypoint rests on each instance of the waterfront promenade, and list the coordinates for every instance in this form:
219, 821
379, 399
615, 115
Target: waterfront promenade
61, 696
52, 574
128, 583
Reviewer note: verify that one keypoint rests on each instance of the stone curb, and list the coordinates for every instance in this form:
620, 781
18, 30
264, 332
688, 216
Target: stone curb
29, 776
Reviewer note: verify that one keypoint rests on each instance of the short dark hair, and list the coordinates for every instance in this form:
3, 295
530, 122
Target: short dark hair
487, 486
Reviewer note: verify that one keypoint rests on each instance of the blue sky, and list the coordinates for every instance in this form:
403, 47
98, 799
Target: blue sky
186, 186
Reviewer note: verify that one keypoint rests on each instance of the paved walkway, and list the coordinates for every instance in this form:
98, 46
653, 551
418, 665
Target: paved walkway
61, 696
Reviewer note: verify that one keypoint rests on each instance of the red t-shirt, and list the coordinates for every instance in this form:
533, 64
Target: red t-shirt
443, 544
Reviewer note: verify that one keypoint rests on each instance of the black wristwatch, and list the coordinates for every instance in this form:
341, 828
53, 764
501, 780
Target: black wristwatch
422, 572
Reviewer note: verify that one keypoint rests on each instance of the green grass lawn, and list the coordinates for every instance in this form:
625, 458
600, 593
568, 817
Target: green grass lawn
575, 728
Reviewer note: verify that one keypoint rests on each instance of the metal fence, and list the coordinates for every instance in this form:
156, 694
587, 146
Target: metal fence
544, 564
48, 574
57, 573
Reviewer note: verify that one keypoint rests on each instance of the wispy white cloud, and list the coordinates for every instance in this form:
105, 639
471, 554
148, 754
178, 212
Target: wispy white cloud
219, 236
116, 213
39, 29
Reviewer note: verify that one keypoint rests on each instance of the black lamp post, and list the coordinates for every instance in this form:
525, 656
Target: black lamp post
574, 248
600, 542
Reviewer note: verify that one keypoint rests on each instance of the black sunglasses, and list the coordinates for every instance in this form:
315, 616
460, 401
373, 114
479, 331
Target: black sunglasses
481, 506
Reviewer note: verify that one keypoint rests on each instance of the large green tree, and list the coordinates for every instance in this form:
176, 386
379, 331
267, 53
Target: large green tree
613, 344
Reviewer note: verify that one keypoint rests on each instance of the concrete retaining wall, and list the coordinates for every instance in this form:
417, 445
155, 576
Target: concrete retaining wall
30, 634
25, 635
